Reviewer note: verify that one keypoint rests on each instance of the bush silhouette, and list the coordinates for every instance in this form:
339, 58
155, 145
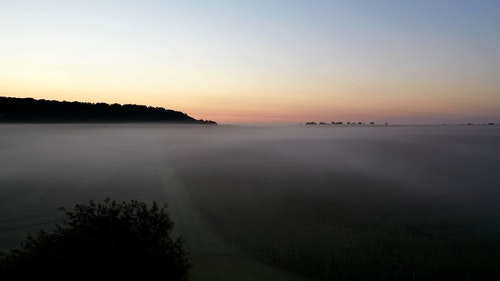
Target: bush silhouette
107, 240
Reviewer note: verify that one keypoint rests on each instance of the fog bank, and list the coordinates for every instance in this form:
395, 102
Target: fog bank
217, 178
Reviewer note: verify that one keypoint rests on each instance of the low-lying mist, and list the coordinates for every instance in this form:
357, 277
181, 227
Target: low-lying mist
346, 203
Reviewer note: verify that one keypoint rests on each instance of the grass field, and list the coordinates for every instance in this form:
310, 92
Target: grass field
277, 203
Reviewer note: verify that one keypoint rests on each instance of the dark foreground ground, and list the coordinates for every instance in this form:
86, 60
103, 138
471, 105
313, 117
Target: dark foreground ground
282, 203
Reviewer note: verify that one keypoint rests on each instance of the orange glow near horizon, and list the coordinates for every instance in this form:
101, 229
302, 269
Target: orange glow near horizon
280, 109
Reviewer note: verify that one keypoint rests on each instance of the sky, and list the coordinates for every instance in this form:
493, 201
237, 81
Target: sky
261, 61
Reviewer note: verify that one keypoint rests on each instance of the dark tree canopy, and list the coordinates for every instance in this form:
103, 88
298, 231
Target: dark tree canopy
31, 110
107, 240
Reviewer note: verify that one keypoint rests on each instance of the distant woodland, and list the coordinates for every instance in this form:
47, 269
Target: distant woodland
32, 110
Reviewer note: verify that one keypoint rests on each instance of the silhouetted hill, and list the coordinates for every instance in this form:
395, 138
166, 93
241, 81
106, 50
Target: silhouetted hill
31, 110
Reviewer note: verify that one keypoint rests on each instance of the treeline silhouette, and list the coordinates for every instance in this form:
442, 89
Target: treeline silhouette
32, 110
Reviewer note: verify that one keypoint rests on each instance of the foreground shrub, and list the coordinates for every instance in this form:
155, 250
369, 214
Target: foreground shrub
107, 240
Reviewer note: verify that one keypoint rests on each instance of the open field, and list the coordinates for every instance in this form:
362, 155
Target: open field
277, 203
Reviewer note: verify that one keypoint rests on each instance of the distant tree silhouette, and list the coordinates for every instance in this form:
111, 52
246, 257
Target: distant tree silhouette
311, 123
31, 110
108, 240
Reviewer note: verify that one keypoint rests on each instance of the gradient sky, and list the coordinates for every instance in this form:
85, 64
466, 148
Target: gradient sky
261, 61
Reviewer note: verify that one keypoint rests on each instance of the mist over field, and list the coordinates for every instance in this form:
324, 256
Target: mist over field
308, 200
